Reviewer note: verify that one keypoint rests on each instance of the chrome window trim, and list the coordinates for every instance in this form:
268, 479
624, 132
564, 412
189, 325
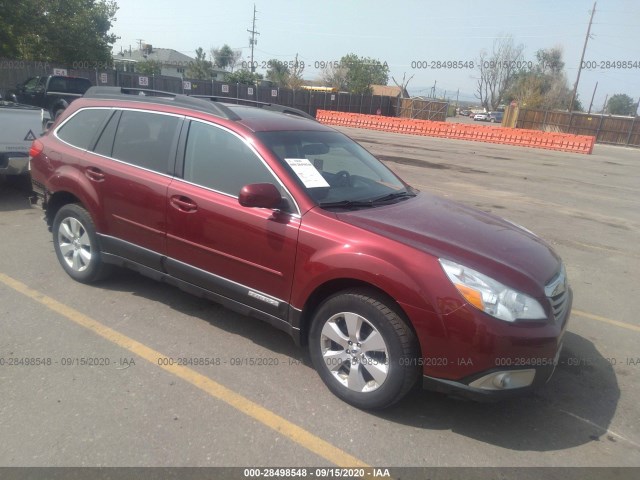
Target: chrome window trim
68, 119
241, 138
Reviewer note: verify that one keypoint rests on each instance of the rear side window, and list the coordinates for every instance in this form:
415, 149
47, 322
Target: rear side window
69, 85
146, 140
82, 129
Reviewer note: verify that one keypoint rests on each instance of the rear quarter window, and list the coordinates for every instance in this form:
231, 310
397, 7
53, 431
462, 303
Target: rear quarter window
83, 127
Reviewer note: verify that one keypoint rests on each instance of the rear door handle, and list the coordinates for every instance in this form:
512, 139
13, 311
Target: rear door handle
182, 203
94, 174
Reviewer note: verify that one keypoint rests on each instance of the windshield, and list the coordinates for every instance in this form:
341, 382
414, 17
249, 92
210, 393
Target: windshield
334, 169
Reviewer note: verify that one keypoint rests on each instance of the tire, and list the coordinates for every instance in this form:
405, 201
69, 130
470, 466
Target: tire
363, 350
76, 244
57, 113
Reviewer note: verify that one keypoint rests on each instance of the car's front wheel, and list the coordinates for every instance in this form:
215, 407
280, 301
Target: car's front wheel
76, 244
363, 349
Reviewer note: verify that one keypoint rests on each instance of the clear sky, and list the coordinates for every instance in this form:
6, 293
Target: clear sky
401, 32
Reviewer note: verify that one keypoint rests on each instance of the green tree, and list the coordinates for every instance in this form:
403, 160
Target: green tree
149, 67
225, 57
545, 85
278, 72
295, 80
200, 68
64, 31
16, 27
621, 104
362, 72
244, 76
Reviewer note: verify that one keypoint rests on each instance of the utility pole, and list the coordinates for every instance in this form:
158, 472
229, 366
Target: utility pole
253, 40
592, 97
584, 49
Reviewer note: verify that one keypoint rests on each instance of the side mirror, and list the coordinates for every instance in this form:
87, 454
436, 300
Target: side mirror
260, 195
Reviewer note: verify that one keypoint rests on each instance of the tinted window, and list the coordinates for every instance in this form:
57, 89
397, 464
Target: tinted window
69, 85
105, 142
217, 159
81, 129
146, 139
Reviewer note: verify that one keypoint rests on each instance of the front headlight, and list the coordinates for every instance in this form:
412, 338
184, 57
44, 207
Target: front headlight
491, 296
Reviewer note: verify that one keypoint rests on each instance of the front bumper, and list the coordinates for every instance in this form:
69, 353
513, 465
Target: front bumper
496, 384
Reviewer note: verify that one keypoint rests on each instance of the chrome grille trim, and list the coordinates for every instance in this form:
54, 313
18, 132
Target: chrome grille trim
557, 292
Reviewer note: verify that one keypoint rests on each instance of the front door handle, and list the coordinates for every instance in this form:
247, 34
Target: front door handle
182, 203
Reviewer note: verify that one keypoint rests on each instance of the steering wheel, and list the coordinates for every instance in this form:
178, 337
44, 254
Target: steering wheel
343, 179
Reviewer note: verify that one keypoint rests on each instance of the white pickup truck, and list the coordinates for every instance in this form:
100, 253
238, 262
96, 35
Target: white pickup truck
19, 126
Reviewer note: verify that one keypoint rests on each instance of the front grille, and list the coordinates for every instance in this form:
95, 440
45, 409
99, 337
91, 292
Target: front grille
557, 291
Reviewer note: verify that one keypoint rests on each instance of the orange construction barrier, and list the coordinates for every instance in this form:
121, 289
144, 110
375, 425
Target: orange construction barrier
482, 133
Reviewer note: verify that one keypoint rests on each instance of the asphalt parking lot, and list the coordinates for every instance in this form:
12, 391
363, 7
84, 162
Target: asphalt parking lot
102, 393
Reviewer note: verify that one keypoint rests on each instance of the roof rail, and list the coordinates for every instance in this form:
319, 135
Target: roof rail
267, 106
159, 96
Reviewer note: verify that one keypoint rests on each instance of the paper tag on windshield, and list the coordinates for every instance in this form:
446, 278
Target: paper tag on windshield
307, 173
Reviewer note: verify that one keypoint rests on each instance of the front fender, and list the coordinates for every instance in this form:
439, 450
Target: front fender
402, 272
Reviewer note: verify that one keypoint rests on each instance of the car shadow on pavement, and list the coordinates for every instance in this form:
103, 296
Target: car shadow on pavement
14, 193
253, 329
575, 407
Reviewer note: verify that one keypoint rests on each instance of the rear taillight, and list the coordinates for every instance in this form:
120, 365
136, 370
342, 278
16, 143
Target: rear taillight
36, 148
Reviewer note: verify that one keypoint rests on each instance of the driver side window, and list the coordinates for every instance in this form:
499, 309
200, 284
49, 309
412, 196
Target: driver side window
217, 159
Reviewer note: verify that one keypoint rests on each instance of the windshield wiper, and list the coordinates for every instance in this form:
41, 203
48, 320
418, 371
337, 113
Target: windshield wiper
347, 204
367, 203
392, 196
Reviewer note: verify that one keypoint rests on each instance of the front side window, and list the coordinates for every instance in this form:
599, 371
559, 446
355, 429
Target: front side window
217, 159
334, 170
146, 139
81, 129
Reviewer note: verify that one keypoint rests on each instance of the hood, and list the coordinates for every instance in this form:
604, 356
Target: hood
479, 240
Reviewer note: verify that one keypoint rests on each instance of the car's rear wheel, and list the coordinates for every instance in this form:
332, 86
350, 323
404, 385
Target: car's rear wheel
363, 349
76, 244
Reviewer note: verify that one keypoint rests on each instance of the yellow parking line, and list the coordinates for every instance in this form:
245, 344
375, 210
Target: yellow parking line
284, 427
610, 321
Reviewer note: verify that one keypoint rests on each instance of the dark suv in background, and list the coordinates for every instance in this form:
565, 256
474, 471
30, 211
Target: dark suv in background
495, 117
280, 217
54, 93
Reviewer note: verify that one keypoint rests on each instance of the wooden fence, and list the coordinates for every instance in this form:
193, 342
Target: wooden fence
423, 109
607, 129
13, 72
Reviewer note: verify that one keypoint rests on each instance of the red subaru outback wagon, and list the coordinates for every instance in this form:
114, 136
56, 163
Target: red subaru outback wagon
279, 217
